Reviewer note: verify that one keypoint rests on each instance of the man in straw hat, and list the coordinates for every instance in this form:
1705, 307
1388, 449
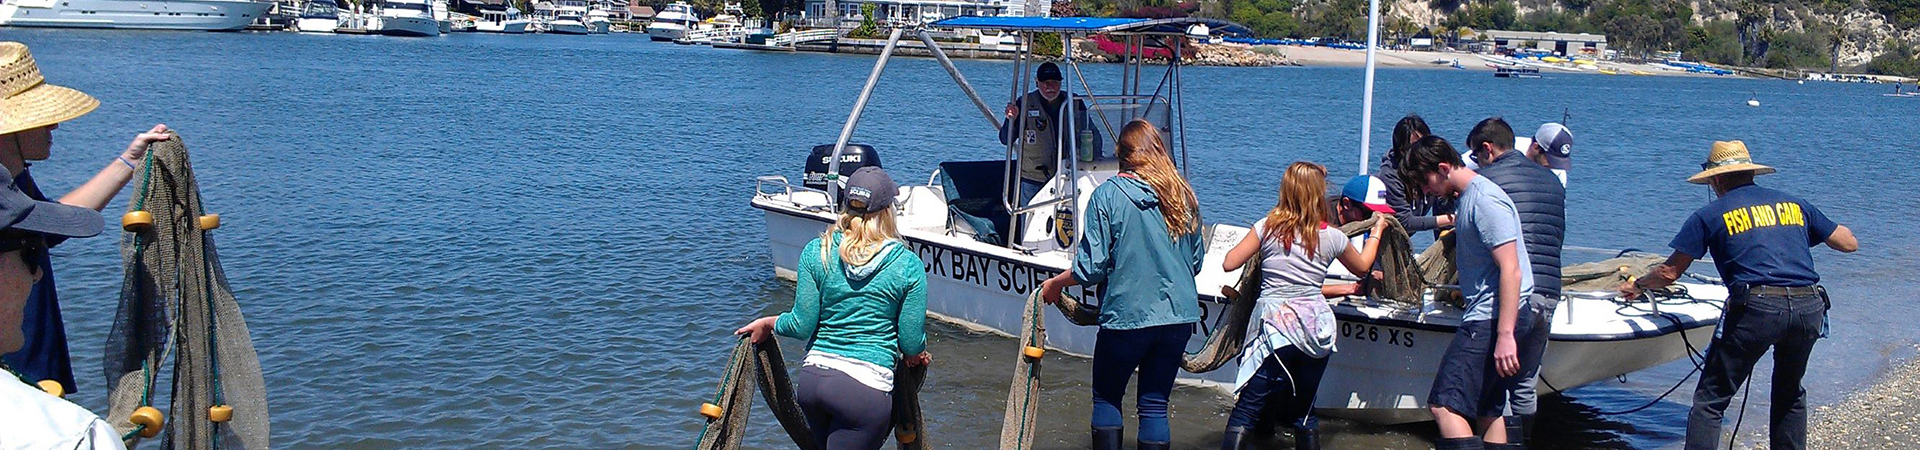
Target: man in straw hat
31, 418
1759, 239
29, 112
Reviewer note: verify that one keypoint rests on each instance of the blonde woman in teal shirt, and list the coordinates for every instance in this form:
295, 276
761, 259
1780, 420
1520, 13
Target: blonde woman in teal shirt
860, 303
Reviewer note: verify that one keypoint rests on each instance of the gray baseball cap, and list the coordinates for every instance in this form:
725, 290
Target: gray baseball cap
868, 190
1557, 142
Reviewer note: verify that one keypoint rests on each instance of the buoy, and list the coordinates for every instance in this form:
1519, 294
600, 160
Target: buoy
905, 436
220, 413
1753, 102
209, 221
710, 410
1033, 352
149, 420
134, 221
53, 388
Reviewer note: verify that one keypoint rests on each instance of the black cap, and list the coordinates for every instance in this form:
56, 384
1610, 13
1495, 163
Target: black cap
869, 190
1047, 72
18, 212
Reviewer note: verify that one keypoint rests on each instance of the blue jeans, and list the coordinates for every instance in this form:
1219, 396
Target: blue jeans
1156, 353
1788, 324
1287, 392
1525, 399
1028, 190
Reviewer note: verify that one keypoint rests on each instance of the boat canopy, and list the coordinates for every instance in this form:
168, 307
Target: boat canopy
1108, 25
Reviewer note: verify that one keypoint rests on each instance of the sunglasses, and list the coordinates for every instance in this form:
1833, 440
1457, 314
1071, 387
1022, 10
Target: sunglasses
32, 248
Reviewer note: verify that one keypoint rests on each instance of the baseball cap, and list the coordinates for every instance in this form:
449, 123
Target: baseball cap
1047, 72
1368, 191
868, 190
1557, 143
18, 212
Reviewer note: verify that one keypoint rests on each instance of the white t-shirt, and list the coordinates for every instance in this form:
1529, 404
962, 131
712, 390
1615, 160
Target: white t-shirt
31, 419
1291, 274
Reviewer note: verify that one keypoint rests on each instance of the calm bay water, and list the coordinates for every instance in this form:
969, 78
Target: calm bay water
544, 241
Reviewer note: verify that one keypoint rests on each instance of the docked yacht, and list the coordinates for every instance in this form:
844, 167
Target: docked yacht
318, 16
407, 18
985, 253
674, 23
598, 21
207, 15
569, 18
504, 19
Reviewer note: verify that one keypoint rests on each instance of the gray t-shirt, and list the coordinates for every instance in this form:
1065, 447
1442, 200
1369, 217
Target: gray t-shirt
1292, 274
1486, 219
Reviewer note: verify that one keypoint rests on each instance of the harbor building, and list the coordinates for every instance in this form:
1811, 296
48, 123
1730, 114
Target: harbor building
1565, 44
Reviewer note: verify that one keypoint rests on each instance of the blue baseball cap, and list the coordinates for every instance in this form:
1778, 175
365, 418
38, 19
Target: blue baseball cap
1369, 191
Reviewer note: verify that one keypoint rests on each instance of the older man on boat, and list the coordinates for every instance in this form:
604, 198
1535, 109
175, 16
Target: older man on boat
1760, 240
1039, 132
29, 113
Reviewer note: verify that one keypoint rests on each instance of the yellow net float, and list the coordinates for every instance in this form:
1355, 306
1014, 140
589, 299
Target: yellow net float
1033, 352
220, 413
134, 221
711, 411
52, 388
148, 419
209, 221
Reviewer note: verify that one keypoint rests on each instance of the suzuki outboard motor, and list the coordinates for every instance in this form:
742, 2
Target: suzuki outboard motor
852, 158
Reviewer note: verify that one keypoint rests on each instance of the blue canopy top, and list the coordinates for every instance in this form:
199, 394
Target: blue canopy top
1092, 25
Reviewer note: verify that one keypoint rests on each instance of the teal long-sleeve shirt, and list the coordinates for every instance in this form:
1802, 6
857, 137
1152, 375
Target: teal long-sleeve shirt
875, 312
1145, 275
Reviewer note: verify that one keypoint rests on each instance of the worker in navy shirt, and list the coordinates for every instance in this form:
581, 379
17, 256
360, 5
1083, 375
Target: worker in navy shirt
1760, 239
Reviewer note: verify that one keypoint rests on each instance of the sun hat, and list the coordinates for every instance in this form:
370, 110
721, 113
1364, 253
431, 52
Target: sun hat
1368, 191
1557, 143
27, 101
1727, 157
869, 190
18, 212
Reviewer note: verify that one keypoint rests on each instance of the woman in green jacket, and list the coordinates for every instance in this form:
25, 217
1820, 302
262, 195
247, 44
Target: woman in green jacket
1142, 248
860, 303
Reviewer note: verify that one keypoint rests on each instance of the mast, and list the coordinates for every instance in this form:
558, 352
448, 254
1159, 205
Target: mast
1366, 102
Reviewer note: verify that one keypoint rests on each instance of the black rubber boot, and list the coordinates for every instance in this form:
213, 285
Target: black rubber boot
1152, 445
1234, 439
1516, 429
1306, 439
1466, 443
1508, 446
1107, 438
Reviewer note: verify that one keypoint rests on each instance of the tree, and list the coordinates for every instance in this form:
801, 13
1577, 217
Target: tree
1899, 60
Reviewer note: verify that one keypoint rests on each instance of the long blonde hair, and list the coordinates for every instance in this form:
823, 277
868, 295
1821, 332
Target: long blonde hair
1302, 207
1142, 152
861, 236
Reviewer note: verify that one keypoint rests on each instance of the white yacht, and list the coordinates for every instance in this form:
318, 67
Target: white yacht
407, 18
598, 21
502, 20
214, 15
674, 23
569, 18
318, 16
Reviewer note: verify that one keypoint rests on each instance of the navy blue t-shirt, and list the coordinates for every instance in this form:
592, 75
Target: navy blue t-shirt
1757, 236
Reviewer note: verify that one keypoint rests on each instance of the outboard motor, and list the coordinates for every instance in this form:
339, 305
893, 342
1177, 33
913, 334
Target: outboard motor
852, 158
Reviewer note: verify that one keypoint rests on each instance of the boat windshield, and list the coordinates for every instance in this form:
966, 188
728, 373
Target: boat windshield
412, 6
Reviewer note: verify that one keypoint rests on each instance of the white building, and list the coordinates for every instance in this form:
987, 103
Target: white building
1564, 44
914, 11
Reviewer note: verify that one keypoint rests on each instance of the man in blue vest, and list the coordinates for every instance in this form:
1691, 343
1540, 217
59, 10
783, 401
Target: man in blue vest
1759, 239
1542, 203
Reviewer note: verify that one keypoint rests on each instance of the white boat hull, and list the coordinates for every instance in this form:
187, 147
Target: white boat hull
409, 26
315, 25
516, 26
599, 27
1386, 360
666, 32
566, 27
205, 15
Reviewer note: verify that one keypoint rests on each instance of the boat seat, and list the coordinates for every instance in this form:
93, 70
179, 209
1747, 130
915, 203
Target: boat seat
973, 190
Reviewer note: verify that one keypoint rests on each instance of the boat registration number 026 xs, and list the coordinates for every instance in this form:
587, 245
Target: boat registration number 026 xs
1375, 333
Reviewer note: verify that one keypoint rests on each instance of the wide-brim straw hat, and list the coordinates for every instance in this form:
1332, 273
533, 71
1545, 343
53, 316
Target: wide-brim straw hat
27, 101
1727, 157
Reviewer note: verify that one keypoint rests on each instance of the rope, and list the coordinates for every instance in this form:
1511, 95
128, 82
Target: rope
175, 304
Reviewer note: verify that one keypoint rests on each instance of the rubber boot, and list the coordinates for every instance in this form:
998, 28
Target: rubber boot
1107, 438
1142, 445
1306, 439
1466, 443
1507, 446
1234, 439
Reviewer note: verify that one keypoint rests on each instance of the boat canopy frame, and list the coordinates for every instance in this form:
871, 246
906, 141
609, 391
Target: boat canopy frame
1137, 35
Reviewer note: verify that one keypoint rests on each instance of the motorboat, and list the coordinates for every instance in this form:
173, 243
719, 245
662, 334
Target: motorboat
200, 15
1516, 72
598, 21
569, 18
502, 19
318, 16
984, 253
406, 18
673, 23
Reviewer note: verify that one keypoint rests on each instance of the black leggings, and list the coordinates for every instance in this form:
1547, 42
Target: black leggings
843, 414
